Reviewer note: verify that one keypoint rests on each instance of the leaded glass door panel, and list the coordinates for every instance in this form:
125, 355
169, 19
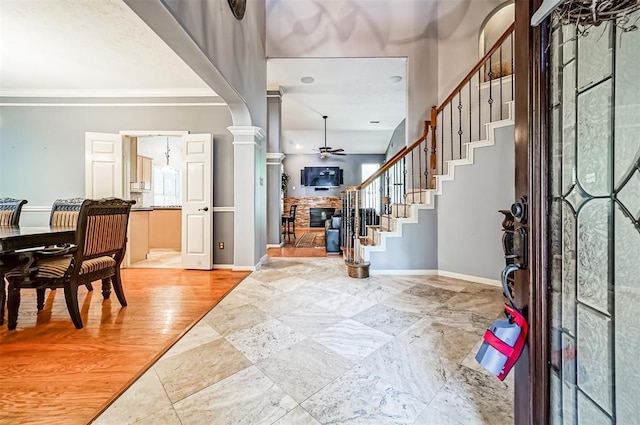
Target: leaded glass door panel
594, 241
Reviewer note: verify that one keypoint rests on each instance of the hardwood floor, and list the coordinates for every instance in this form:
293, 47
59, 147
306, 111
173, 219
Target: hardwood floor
52, 373
289, 249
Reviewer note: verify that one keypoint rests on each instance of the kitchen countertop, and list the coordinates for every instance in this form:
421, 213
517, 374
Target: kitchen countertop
157, 207
166, 207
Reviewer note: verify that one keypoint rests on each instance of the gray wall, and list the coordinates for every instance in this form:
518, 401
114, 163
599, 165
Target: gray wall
417, 249
42, 150
469, 224
459, 26
235, 48
397, 141
351, 165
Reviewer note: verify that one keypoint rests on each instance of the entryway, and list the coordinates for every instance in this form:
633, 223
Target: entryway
169, 174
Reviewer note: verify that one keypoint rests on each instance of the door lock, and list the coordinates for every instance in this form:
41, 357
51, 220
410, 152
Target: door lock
519, 210
205, 209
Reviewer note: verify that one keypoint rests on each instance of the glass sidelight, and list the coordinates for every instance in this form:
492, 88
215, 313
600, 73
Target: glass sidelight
594, 215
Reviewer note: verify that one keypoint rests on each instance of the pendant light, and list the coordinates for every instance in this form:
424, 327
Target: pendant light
167, 168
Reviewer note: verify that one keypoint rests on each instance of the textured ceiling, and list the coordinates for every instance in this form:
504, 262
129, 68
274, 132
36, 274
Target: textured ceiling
351, 92
76, 47
79, 45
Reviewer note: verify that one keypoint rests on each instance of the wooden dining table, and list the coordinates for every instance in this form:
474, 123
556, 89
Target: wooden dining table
13, 239
18, 246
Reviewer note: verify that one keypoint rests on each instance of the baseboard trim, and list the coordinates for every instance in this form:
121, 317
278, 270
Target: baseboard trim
261, 262
223, 266
476, 279
383, 272
36, 208
243, 268
443, 273
275, 245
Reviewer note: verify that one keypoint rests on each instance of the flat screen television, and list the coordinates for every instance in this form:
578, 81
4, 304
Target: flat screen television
321, 176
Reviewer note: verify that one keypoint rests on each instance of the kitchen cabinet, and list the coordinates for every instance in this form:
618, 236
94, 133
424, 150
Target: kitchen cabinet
138, 235
143, 175
165, 228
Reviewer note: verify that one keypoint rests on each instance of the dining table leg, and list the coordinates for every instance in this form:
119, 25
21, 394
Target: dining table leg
13, 303
3, 298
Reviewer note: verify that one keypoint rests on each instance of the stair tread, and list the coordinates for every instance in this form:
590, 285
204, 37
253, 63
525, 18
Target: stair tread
366, 241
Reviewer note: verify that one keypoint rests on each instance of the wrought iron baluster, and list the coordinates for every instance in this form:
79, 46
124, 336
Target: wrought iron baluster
404, 184
426, 167
501, 76
419, 169
442, 146
451, 128
490, 75
470, 114
460, 124
511, 42
479, 104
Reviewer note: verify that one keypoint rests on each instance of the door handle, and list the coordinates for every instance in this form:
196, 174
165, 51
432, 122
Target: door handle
511, 268
205, 209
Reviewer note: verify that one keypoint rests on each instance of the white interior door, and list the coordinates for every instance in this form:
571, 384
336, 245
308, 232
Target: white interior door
103, 166
197, 202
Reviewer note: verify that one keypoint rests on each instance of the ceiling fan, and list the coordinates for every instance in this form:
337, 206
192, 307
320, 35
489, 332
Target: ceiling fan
327, 151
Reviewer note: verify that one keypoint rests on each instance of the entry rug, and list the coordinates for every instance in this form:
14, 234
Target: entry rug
311, 240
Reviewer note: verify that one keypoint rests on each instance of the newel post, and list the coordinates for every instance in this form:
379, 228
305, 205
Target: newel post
434, 159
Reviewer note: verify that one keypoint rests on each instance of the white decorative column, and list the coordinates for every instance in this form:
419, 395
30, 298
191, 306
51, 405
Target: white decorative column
249, 224
274, 194
274, 167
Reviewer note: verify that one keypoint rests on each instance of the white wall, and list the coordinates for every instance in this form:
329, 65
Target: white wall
363, 28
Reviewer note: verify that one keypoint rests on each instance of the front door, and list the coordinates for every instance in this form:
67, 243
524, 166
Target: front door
578, 161
197, 202
593, 232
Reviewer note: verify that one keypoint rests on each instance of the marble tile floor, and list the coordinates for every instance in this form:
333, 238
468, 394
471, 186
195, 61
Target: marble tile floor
298, 342
160, 259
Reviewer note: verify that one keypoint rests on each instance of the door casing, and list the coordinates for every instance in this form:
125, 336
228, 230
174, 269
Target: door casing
531, 397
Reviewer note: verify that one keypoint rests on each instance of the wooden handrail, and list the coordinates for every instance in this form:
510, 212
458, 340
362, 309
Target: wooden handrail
395, 158
479, 65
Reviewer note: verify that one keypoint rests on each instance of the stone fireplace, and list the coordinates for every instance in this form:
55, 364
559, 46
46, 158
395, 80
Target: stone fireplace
306, 203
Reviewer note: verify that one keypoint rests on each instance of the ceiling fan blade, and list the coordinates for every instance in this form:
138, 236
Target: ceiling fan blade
338, 153
336, 150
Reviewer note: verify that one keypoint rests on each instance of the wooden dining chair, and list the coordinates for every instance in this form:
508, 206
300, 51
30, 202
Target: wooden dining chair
64, 212
101, 238
10, 210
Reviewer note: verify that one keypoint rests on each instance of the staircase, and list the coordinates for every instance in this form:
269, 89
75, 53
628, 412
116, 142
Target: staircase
395, 208
392, 224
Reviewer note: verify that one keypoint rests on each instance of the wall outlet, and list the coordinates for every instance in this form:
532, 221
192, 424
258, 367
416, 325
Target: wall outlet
221, 245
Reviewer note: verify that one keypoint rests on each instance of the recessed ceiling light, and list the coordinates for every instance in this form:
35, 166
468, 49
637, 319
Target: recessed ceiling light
307, 80
374, 122
395, 78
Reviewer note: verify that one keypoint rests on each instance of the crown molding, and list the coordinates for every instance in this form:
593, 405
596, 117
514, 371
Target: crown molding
246, 131
108, 93
278, 156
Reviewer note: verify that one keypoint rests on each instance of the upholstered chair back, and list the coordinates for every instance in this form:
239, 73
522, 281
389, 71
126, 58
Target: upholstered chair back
102, 227
10, 210
65, 212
